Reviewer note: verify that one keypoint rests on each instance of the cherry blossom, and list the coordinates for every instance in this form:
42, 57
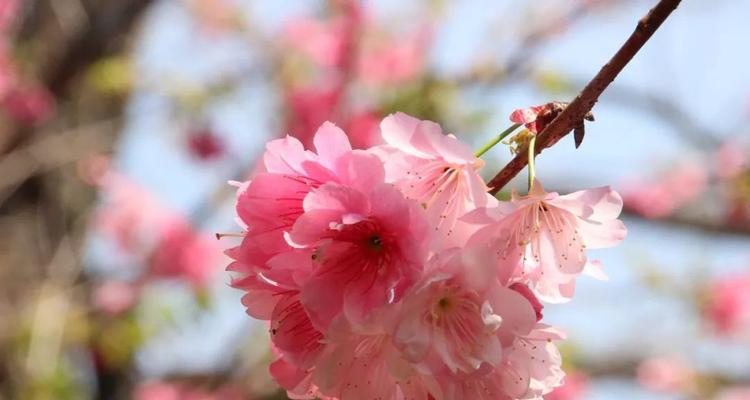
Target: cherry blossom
437, 170
453, 320
391, 273
541, 238
370, 245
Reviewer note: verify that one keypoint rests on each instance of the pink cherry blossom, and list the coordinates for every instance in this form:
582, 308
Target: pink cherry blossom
437, 170
365, 364
541, 238
452, 320
370, 244
533, 117
524, 291
270, 204
298, 343
728, 306
353, 258
529, 370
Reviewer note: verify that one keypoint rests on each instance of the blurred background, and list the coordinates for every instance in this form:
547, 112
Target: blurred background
122, 121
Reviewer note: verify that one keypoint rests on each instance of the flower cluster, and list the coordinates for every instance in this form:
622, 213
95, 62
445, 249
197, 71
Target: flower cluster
391, 273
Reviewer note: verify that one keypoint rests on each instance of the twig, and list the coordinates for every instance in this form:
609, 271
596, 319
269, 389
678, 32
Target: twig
585, 101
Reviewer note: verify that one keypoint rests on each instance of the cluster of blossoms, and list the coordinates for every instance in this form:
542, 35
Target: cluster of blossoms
145, 231
350, 49
391, 273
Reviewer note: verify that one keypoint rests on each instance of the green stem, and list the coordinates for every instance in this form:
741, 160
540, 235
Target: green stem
532, 155
496, 140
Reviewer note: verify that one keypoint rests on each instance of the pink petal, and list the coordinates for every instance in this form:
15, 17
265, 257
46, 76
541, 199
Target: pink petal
331, 143
597, 204
284, 156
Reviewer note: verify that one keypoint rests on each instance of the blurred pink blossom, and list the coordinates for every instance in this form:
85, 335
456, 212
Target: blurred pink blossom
8, 13
728, 306
8, 78
144, 228
215, 16
129, 215
174, 391
157, 391
309, 108
666, 374
322, 41
329, 43
575, 387
114, 297
393, 59
205, 144
29, 105
731, 159
184, 253
734, 393
663, 197
364, 129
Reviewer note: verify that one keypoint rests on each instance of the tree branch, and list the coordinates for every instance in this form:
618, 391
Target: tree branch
585, 101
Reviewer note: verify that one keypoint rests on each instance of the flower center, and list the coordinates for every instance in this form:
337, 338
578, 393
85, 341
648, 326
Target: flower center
375, 243
444, 304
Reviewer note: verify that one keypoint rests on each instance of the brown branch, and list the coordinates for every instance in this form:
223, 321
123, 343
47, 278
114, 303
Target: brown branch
585, 101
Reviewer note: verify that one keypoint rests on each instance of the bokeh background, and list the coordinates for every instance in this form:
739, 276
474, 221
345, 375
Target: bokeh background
122, 121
